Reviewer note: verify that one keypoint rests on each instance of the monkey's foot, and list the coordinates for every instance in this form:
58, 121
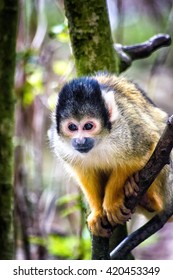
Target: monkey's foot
131, 186
117, 214
98, 224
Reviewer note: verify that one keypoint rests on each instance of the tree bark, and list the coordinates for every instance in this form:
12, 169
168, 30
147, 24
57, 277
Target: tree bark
8, 29
90, 36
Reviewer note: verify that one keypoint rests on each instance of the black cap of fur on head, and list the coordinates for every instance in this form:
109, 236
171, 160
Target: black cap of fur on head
80, 98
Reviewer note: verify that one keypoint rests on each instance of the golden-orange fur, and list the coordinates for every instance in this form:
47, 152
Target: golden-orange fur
105, 194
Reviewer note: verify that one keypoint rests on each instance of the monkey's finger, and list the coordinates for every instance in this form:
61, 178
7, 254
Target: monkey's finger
123, 218
134, 185
101, 231
104, 232
112, 220
104, 220
136, 177
120, 217
117, 218
123, 215
125, 211
129, 189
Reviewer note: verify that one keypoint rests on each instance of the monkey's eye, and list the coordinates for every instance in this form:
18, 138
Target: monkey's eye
72, 127
88, 126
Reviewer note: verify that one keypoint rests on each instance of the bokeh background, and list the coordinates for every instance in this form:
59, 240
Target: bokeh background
49, 210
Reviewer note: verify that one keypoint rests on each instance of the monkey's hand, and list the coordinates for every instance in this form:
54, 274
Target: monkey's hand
131, 189
98, 224
117, 213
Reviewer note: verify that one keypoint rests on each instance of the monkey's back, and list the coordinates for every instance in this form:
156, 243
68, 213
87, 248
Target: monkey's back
133, 102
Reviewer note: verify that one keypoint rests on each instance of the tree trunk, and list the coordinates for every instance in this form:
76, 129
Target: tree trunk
93, 51
90, 36
8, 27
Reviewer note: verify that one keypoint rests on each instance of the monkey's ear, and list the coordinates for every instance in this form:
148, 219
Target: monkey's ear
111, 105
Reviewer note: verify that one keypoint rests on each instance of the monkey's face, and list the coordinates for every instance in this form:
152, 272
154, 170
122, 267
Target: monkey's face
81, 134
84, 114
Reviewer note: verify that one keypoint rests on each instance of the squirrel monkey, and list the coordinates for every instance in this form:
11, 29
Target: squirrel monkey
104, 130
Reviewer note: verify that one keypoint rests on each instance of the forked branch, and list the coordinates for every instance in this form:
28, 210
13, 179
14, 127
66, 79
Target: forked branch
159, 158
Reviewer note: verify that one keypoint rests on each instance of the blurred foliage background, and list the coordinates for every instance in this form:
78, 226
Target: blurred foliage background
49, 212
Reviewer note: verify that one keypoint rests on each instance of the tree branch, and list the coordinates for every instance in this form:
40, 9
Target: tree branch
159, 158
127, 54
147, 175
135, 238
100, 248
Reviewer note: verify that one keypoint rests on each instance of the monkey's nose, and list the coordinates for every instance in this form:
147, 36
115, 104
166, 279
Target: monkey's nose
83, 145
80, 141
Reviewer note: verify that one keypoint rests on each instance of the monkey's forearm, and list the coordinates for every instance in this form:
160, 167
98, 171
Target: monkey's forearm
91, 188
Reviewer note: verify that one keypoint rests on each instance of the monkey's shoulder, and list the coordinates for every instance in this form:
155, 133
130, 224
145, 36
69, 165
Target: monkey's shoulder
124, 87
131, 98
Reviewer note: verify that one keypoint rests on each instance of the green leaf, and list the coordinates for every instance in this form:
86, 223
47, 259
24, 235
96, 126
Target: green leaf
67, 198
60, 32
28, 96
35, 79
37, 240
61, 67
63, 246
70, 247
70, 210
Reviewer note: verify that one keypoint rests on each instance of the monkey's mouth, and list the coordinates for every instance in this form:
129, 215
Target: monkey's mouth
83, 149
83, 145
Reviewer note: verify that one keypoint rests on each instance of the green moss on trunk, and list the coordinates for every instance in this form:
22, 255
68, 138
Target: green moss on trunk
90, 35
8, 24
